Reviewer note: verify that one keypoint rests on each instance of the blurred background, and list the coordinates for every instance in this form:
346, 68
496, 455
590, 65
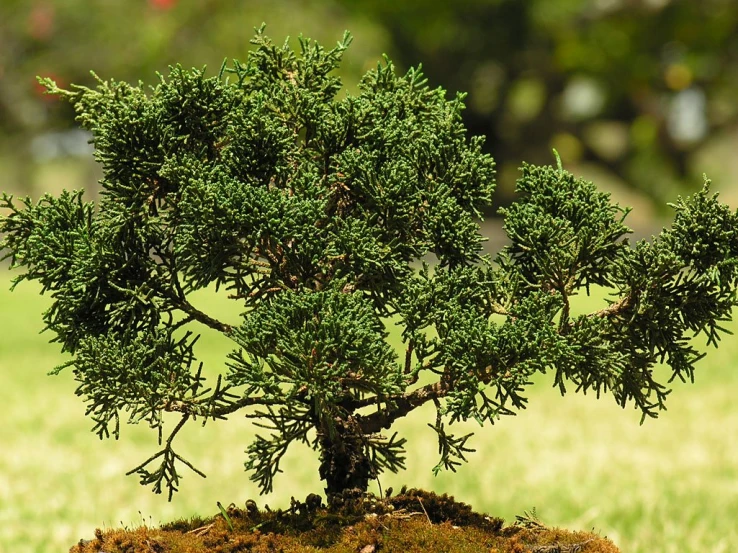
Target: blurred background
637, 95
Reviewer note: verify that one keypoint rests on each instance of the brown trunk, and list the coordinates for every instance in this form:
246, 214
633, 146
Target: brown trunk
344, 464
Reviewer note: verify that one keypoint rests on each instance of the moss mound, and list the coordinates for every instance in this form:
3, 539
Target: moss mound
414, 521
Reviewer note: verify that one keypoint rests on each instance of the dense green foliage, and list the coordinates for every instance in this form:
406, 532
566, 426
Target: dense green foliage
313, 210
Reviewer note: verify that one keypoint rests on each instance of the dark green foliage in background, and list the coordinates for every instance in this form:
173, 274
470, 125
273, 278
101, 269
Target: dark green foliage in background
314, 211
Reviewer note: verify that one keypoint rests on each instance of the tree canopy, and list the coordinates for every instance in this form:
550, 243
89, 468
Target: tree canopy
318, 212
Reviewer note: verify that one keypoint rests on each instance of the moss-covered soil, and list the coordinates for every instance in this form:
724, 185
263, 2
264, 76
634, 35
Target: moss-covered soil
412, 522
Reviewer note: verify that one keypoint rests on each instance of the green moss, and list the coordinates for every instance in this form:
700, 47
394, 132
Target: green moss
414, 521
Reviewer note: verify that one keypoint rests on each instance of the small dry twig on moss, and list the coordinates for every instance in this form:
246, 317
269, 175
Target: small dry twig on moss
558, 548
426, 512
202, 530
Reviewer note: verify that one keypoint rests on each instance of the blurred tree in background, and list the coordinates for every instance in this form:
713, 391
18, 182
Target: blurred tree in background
635, 88
127, 39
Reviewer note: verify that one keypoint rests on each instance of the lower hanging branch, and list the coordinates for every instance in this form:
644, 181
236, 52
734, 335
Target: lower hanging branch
166, 472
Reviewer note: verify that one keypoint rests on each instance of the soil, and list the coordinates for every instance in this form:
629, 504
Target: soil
413, 521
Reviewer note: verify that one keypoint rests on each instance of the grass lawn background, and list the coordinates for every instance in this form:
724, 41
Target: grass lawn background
669, 485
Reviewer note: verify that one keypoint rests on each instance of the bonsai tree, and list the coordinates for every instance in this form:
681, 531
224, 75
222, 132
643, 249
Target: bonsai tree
334, 220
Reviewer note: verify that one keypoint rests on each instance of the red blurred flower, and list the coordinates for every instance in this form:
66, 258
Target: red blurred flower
163, 4
40, 21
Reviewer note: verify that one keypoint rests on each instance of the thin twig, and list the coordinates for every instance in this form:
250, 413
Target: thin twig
557, 548
426, 512
408, 357
204, 318
618, 307
202, 530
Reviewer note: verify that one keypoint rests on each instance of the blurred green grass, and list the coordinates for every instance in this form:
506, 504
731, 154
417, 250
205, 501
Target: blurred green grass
669, 485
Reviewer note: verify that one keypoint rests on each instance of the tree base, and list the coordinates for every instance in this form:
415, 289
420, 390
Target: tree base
412, 522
